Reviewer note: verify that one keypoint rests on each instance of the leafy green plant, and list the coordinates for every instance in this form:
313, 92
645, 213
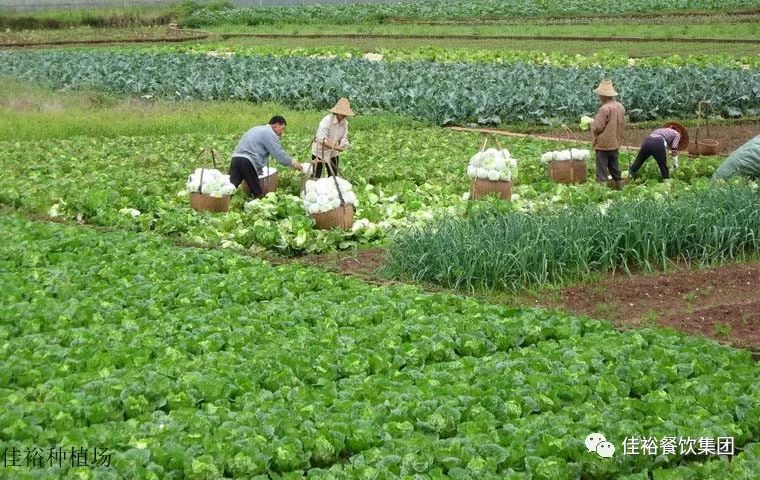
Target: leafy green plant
513, 250
190, 363
442, 9
402, 176
439, 93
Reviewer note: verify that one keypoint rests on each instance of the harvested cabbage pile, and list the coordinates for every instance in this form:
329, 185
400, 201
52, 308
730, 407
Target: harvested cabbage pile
566, 155
215, 183
492, 164
321, 195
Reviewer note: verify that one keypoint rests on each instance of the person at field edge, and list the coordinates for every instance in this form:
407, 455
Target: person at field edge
331, 138
656, 145
607, 129
251, 154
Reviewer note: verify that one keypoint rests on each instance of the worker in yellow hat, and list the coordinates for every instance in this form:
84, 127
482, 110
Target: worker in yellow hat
331, 138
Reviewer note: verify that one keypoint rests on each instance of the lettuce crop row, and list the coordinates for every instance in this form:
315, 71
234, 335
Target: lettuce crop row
200, 364
517, 249
607, 59
439, 9
402, 177
436, 92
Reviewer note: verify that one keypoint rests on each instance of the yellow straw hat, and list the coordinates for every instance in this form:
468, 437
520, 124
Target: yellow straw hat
605, 89
343, 107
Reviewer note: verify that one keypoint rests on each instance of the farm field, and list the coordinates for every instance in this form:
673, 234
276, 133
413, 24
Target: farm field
437, 336
655, 48
290, 377
717, 30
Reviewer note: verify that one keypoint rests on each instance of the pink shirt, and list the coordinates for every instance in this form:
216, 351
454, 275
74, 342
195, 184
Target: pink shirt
672, 137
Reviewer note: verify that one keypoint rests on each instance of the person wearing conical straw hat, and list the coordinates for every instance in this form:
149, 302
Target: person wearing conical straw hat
331, 138
607, 129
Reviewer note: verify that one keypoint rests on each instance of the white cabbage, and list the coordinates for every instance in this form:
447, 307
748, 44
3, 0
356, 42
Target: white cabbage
322, 195
492, 164
214, 184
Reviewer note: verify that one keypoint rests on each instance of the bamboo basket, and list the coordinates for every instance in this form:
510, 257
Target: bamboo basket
480, 188
206, 203
706, 145
341, 217
268, 183
568, 172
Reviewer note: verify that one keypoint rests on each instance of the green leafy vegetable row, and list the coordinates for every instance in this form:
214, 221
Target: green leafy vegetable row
440, 93
401, 176
607, 59
439, 9
513, 250
199, 364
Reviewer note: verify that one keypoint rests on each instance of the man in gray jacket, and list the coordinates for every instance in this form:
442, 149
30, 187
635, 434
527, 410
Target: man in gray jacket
252, 151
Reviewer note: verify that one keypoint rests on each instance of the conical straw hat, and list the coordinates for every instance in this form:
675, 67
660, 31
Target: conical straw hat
343, 107
606, 89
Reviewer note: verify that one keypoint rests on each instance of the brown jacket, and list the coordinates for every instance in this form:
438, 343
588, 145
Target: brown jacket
607, 126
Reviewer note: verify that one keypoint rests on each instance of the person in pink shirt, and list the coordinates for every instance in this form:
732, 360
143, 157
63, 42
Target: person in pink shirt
656, 145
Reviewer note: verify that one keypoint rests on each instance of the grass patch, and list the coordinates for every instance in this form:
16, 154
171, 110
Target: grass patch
101, 17
32, 112
91, 34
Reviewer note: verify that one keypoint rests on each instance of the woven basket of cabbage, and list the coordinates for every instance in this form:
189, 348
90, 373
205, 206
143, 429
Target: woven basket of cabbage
492, 172
569, 172
207, 203
268, 180
341, 217
480, 188
330, 202
567, 166
209, 190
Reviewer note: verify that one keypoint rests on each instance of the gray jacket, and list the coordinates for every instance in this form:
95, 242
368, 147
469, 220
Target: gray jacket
257, 144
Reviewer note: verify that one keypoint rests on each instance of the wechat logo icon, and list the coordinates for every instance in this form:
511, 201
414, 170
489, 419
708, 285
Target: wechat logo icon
597, 443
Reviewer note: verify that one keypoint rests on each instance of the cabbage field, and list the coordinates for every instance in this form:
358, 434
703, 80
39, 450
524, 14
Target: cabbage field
141, 339
125, 342
439, 93
399, 181
447, 9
